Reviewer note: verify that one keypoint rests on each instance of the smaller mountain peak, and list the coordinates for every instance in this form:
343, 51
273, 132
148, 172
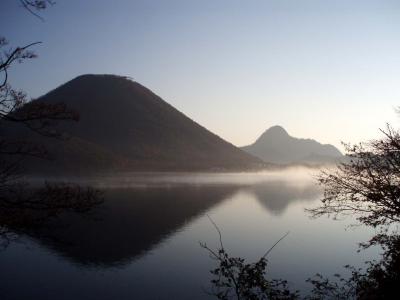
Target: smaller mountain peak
276, 130
273, 133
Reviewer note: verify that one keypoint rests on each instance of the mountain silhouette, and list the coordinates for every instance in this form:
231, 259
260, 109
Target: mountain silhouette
275, 145
125, 126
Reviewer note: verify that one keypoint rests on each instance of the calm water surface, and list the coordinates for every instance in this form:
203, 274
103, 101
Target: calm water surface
143, 242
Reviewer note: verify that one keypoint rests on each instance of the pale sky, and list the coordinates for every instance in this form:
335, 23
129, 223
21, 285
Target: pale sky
328, 70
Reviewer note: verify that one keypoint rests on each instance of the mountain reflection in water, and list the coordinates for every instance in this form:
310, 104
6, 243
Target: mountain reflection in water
132, 221
129, 223
142, 242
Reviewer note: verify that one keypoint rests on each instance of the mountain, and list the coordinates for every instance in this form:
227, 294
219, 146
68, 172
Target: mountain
125, 126
275, 145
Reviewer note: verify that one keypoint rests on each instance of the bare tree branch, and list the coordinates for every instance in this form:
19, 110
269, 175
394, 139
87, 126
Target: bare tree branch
36, 5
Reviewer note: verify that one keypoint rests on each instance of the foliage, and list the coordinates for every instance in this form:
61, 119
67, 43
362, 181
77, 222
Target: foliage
24, 209
21, 207
233, 278
380, 280
16, 110
368, 185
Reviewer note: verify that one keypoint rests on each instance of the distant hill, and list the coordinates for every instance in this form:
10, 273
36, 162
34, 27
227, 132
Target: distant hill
275, 145
125, 126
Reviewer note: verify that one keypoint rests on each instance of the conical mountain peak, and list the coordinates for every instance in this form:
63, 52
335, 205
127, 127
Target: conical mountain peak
119, 118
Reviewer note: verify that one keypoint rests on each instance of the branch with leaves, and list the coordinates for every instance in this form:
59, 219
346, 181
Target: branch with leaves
236, 279
368, 186
22, 207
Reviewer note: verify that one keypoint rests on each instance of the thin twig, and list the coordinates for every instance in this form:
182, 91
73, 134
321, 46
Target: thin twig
219, 231
273, 246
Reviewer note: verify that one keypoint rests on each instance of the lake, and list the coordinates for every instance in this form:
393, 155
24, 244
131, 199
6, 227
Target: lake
143, 241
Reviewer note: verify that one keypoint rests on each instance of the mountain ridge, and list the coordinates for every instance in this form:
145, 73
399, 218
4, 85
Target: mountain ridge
275, 145
120, 118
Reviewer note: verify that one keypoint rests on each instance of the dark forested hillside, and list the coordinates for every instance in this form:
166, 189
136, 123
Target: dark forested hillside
125, 126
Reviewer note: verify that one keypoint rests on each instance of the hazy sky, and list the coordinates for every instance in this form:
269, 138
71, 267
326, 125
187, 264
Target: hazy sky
329, 70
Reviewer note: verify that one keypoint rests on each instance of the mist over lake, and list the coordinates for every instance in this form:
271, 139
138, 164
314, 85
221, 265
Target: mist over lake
146, 234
